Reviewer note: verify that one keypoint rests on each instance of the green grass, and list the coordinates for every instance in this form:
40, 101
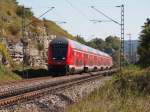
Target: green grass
7, 75
126, 92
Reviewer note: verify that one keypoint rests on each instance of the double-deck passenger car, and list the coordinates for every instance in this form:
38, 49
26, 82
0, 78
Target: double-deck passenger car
68, 56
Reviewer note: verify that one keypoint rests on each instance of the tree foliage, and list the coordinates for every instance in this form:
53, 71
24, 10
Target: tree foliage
97, 43
80, 39
14, 1
27, 11
144, 45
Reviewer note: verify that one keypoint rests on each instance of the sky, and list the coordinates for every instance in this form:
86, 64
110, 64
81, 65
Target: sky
78, 13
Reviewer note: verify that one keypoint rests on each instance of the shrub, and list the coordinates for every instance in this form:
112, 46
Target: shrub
135, 80
14, 28
27, 11
9, 13
4, 53
126, 92
40, 46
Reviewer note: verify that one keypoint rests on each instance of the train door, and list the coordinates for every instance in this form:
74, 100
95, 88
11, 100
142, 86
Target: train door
86, 62
95, 63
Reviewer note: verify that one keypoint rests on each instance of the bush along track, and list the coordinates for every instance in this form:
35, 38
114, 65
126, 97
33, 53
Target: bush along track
126, 92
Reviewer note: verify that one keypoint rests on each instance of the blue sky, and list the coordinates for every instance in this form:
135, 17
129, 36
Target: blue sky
77, 14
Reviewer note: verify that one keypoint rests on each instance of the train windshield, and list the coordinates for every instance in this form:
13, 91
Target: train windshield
59, 51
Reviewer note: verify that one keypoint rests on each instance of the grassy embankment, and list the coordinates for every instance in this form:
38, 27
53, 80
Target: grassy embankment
128, 92
6, 75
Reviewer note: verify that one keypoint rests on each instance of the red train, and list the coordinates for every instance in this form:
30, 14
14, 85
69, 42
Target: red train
68, 56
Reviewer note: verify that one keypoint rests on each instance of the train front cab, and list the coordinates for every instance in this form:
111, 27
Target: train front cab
57, 56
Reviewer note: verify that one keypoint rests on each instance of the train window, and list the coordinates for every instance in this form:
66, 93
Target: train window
73, 55
86, 56
81, 62
91, 61
95, 60
59, 51
76, 61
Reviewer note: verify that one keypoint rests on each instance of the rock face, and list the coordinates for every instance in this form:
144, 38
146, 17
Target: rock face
30, 53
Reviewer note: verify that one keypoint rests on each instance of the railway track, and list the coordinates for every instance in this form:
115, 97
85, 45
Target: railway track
30, 89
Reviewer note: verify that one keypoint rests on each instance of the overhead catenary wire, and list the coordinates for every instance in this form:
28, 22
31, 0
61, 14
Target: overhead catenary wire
105, 15
41, 15
77, 10
121, 24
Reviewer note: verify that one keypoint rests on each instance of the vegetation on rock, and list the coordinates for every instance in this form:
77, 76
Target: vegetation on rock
5, 73
5, 54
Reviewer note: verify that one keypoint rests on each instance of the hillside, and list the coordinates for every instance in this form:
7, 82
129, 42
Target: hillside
11, 19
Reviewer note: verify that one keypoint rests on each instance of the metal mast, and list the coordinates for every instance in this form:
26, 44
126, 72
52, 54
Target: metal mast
121, 31
122, 37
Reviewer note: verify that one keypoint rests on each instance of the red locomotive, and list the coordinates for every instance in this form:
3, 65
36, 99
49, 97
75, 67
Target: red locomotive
68, 56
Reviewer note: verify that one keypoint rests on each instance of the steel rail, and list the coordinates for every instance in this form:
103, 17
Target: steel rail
57, 86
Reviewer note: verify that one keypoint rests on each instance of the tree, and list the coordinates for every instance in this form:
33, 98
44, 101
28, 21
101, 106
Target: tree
114, 42
14, 1
144, 45
113, 48
27, 12
97, 43
80, 39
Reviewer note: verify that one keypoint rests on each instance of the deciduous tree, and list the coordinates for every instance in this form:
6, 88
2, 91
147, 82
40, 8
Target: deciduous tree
144, 45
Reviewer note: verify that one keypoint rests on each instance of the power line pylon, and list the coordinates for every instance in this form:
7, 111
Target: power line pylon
122, 38
121, 24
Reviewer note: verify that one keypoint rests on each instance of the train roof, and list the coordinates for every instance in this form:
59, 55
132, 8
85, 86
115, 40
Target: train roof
59, 41
78, 45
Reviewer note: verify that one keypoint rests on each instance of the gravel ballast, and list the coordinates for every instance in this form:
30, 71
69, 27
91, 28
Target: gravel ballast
58, 101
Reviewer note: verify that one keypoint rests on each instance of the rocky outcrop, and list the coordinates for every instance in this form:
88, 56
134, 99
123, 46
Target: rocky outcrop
29, 54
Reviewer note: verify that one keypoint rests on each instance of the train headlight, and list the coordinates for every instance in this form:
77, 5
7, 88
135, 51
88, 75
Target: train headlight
54, 58
63, 58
